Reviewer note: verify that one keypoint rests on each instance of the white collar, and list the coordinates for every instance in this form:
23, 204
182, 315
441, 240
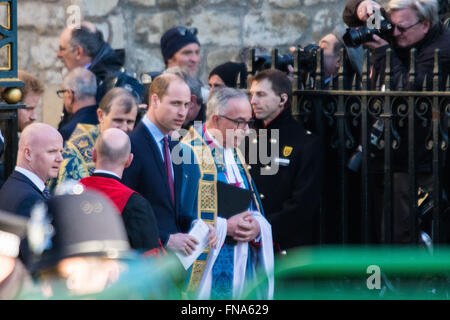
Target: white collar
106, 172
32, 176
232, 171
233, 175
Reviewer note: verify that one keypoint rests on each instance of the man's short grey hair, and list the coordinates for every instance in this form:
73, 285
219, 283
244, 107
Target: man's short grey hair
425, 9
193, 82
82, 82
218, 100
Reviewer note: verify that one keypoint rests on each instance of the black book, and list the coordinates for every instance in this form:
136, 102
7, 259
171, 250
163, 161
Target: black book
232, 200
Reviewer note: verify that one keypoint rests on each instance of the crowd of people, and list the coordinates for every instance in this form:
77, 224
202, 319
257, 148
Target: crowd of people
233, 166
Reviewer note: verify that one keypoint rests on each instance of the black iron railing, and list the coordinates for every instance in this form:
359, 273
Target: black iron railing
396, 131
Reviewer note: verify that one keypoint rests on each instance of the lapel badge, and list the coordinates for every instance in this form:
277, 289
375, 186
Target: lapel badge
287, 150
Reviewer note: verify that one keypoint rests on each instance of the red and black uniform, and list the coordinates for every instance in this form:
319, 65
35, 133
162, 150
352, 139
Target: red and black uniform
137, 213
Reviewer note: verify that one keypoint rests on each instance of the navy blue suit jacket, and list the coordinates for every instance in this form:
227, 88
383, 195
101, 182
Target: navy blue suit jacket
18, 194
147, 176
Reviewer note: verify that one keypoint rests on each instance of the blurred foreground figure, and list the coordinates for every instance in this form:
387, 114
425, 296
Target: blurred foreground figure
14, 278
80, 252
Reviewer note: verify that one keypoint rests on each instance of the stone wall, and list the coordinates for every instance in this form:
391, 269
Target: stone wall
225, 26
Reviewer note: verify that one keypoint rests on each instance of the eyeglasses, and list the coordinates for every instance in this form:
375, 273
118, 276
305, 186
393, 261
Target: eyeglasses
240, 123
404, 29
183, 31
60, 93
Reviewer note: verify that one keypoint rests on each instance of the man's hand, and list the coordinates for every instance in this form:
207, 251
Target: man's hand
247, 230
212, 236
366, 9
233, 222
376, 43
243, 227
182, 242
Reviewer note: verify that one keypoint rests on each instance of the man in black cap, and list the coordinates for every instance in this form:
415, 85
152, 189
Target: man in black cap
79, 252
226, 75
14, 278
180, 47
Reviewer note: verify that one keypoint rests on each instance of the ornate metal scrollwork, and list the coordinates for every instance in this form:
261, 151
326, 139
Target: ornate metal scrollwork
355, 109
329, 109
445, 115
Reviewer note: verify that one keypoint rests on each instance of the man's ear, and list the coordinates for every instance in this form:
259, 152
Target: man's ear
27, 153
129, 161
284, 99
99, 114
70, 96
193, 99
79, 52
427, 25
215, 120
154, 100
94, 155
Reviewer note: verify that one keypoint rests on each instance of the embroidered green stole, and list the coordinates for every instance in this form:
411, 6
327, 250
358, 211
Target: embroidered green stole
207, 196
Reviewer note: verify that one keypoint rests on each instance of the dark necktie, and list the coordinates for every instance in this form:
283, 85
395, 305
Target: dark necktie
168, 169
46, 193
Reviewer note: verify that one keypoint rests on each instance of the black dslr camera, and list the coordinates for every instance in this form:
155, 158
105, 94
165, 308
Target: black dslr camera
306, 63
263, 62
308, 58
354, 37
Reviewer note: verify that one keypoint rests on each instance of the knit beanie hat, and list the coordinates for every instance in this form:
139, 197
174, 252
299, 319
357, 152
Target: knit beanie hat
176, 38
229, 71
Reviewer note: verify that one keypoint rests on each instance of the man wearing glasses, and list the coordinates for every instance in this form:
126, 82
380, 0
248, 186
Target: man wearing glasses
218, 189
290, 183
415, 25
79, 89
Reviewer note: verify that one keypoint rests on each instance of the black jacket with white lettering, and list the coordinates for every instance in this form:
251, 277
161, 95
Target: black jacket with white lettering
291, 197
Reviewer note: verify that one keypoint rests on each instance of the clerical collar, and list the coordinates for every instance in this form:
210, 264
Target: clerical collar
106, 172
32, 176
232, 173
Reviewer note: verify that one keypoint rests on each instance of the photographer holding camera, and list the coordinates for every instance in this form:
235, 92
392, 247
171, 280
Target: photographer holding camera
406, 24
409, 24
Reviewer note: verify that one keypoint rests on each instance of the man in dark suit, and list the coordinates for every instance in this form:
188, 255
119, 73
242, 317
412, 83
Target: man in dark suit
290, 181
112, 154
152, 173
38, 160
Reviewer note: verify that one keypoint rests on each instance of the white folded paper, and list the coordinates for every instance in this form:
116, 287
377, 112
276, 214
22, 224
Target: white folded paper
200, 232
